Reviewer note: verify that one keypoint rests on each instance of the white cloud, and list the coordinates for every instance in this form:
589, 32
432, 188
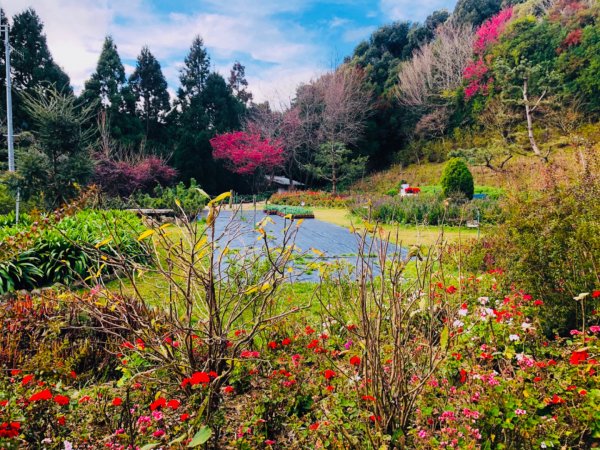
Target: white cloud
356, 34
411, 10
76, 29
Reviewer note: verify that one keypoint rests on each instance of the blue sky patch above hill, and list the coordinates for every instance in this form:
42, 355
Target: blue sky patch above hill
281, 43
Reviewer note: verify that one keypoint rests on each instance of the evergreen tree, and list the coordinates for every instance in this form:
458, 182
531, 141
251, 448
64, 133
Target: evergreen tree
238, 83
475, 12
107, 89
149, 89
195, 71
213, 111
3, 21
32, 63
108, 80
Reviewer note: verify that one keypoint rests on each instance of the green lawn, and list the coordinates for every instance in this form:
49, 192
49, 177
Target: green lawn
406, 234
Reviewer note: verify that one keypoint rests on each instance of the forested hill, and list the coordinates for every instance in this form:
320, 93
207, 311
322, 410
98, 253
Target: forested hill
462, 83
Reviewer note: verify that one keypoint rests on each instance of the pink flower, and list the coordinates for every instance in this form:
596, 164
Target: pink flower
158, 433
595, 328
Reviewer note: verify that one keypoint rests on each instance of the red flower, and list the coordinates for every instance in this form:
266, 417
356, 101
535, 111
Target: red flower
158, 403
184, 417
286, 341
355, 361
61, 420
127, 344
196, 378
73, 374
309, 330
314, 426
15, 372
538, 303
555, 400
26, 379
582, 392
329, 374
451, 289
374, 418
229, 389
173, 404
368, 398
272, 345
578, 357
463, 376
117, 401
330, 388
9, 429
62, 400
42, 395
596, 294
84, 399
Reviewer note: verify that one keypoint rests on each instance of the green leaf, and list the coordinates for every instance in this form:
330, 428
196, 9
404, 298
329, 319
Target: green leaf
200, 437
444, 337
150, 446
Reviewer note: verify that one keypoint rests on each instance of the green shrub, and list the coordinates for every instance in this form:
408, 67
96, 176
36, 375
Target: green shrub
429, 210
192, 199
549, 244
285, 210
393, 192
310, 198
63, 253
457, 179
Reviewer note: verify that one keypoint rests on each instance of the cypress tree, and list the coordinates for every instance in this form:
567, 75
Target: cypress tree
149, 89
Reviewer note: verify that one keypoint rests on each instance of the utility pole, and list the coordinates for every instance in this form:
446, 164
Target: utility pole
9, 118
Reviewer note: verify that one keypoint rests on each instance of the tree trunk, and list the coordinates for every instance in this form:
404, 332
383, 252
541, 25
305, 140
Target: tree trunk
532, 141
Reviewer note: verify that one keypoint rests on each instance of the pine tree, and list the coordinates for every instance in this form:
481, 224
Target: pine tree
195, 71
108, 80
238, 83
149, 89
32, 63
108, 89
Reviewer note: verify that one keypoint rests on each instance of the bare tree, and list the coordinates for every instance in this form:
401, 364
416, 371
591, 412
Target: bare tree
437, 67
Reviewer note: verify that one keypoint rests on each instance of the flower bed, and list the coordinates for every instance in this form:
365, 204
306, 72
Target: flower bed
296, 212
310, 198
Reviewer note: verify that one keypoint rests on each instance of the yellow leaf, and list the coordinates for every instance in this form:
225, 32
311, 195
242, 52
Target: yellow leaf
104, 258
104, 242
178, 203
165, 226
200, 243
317, 252
251, 290
145, 235
299, 222
287, 216
225, 251
219, 198
266, 286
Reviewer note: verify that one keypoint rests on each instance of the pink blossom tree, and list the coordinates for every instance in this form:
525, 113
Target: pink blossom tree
247, 153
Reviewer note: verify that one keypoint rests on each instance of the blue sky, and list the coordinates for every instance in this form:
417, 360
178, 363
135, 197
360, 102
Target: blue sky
281, 43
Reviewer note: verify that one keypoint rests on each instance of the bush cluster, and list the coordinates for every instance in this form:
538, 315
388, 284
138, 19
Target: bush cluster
33, 254
310, 198
428, 210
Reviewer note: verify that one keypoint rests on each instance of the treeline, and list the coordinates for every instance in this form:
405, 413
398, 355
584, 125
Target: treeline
136, 113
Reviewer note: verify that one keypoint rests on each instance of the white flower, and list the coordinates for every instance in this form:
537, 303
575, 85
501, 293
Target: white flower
484, 300
463, 312
68, 445
457, 324
514, 337
526, 326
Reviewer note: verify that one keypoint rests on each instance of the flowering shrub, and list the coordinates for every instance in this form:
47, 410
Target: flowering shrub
247, 152
475, 74
310, 198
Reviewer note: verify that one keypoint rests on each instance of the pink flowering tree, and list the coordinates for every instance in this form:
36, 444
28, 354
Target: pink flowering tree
487, 34
247, 153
